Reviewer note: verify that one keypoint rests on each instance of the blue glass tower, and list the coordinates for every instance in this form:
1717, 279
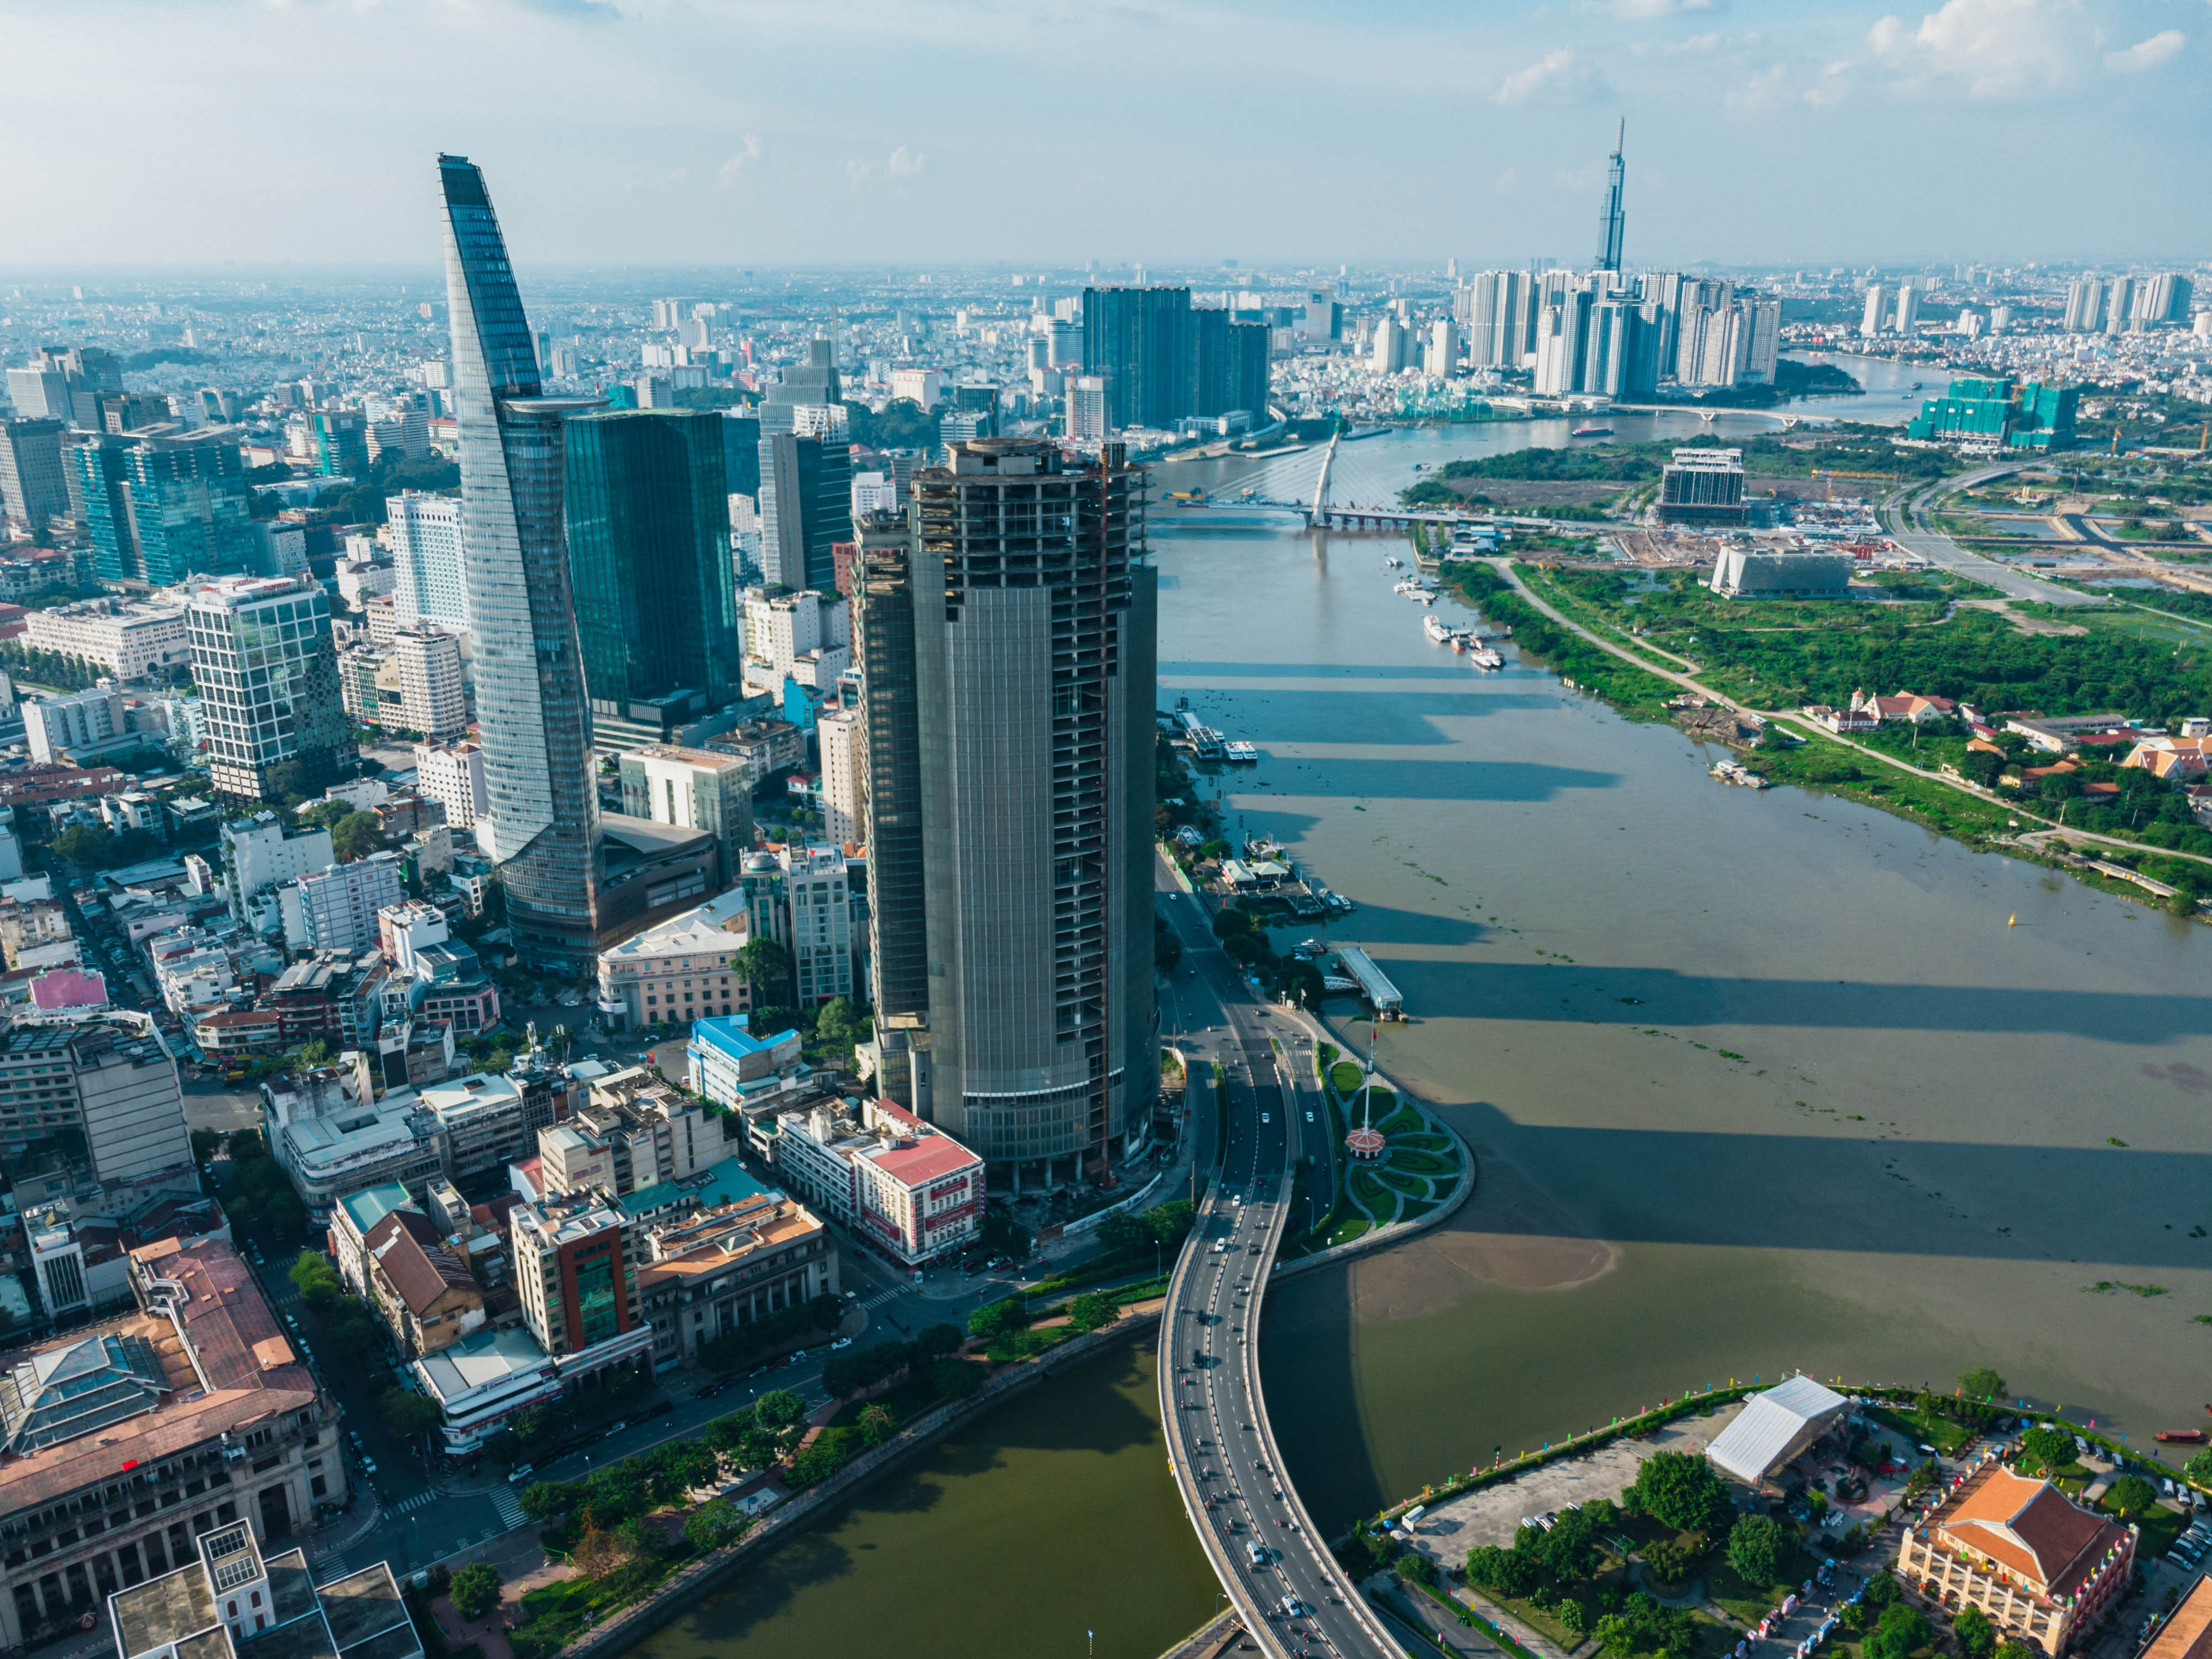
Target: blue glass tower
534, 721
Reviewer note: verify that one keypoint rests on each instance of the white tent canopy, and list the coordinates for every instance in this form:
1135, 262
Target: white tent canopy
1773, 1427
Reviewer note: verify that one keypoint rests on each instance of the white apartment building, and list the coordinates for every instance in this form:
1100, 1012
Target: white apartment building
844, 784
132, 641
781, 631
266, 666
418, 687
1086, 408
874, 493
900, 1184
82, 722
425, 533
925, 386
454, 776
680, 971
258, 856
335, 909
818, 921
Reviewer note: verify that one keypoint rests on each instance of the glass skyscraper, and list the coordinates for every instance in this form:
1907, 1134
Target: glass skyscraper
533, 723
162, 509
648, 518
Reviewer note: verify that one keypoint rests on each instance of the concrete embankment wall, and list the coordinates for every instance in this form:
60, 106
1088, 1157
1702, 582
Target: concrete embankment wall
703, 1578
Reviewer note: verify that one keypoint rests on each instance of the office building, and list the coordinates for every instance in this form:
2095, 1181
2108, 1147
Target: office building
1033, 633
648, 513
811, 383
1702, 486
427, 584
419, 687
65, 385
890, 786
164, 505
807, 636
741, 436
577, 1258
679, 969
191, 1414
112, 1081
33, 488
533, 718
452, 775
802, 899
267, 671
80, 724
1877, 301
339, 437
715, 1270
694, 789
899, 1185
1138, 341
805, 508
129, 641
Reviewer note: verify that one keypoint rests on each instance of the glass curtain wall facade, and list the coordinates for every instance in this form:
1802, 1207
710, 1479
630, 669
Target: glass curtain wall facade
534, 721
160, 509
648, 518
266, 669
1137, 341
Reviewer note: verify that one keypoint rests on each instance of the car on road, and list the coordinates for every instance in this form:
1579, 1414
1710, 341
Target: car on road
1264, 1118
614, 1429
367, 1464
842, 1342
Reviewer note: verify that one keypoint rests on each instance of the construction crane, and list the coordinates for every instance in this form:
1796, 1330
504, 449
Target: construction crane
1821, 472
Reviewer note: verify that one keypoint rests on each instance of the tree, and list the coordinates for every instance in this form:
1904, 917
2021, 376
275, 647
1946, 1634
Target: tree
766, 966
85, 845
1570, 1549
316, 1280
955, 1379
206, 1143
1978, 1638
834, 1027
356, 835
1982, 1383
712, 1525
640, 1539
817, 1463
2199, 1468
2049, 1448
2012, 1648
2132, 1496
407, 1414
1092, 1311
1896, 1634
875, 1425
1754, 1548
1508, 1572
596, 1553
1670, 1559
542, 1500
475, 1589
935, 1341
778, 1410
1982, 766
997, 1318
1681, 1489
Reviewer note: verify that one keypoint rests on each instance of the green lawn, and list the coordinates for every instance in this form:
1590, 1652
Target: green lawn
1940, 1432
1349, 1229
1403, 1157
1412, 1185
1546, 1625
1430, 1143
1344, 1077
1379, 1199
1404, 1121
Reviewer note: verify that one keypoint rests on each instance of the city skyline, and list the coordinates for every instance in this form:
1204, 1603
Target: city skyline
726, 133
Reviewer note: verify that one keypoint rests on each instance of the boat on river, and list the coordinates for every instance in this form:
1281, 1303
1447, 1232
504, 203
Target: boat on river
2184, 1436
1432, 625
1593, 432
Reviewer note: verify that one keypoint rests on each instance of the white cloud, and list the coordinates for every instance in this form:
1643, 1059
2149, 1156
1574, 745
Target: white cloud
1999, 48
1761, 94
1833, 87
1557, 77
1636, 9
752, 152
2161, 48
902, 163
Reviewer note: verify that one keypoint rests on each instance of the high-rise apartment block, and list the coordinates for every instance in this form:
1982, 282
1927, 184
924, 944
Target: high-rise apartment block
533, 718
1877, 303
267, 676
807, 636
843, 734
452, 775
1032, 628
802, 899
419, 684
33, 488
80, 724
427, 543
648, 513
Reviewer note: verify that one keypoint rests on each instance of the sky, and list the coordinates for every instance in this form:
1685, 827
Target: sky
1279, 133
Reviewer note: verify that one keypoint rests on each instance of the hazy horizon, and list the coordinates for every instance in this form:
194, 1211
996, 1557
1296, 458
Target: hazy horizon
677, 135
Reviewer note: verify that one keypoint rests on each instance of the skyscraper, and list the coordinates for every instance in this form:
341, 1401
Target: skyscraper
163, 506
534, 724
805, 508
1137, 341
267, 676
1612, 217
648, 525
426, 552
1494, 311
1908, 308
2085, 305
890, 785
1033, 620
1870, 319
32, 489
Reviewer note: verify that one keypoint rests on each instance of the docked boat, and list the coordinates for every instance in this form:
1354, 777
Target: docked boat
1593, 432
1733, 772
1434, 628
1485, 659
1395, 564
2183, 1437
1240, 753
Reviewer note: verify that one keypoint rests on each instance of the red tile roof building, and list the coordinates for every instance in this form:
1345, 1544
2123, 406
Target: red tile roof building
2038, 1563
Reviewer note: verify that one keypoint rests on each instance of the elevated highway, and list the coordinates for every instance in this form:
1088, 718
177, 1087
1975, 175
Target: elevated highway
1288, 1589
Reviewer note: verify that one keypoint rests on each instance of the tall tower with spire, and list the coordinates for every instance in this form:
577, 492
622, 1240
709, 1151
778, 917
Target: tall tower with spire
1611, 218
